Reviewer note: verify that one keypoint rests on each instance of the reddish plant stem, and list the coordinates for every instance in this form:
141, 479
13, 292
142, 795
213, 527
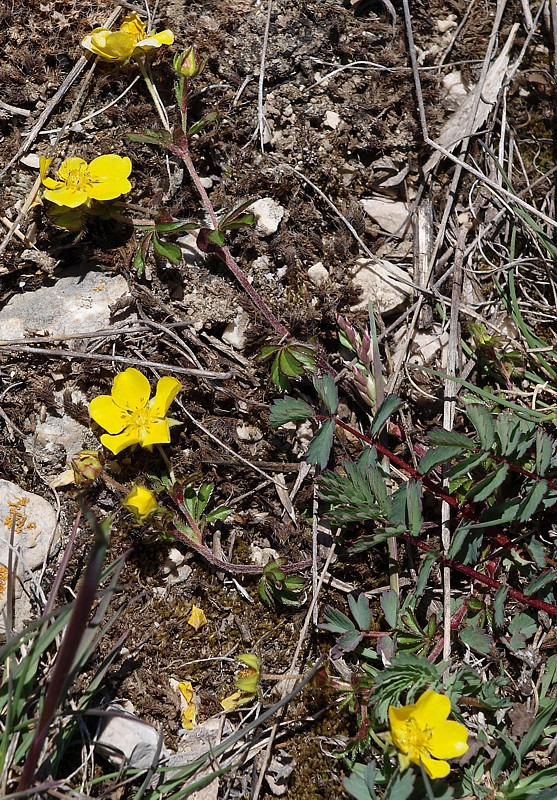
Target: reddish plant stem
471, 573
180, 148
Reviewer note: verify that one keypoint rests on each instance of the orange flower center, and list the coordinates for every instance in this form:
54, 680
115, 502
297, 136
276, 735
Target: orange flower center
416, 739
141, 420
78, 178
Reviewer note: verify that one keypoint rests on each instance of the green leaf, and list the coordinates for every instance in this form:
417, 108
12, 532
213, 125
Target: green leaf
499, 607
217, 237
361, 785
325, 387
167, 250
450, 438
176, 226
467, 465
139, 263
532, 501
389, 604
388, 407
477, 639
360, 611
436, 456
287, 409
423, 574
336, 621
542, 580
401, 785
349, 641
288, 364
414, 506
480, 418
486, 487
530, 738
544, 452
320, 446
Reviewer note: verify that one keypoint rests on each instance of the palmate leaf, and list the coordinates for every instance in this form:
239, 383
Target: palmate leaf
359, 495
325, 387
288, 409
481, 419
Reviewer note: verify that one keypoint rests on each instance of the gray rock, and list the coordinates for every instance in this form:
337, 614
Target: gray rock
126, 739
382, 283
34, 522
76, 303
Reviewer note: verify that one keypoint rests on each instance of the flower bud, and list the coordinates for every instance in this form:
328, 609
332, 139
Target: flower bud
87, 466
186, 64
141, 502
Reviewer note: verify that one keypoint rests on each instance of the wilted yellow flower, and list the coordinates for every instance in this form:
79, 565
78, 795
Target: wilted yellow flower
140, 501
128, 414
131, 40
189, 708
422, 734
246, 684
105, 178
197, 618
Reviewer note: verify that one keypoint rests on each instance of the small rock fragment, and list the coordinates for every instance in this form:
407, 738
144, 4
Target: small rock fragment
382, 283
248, 433
444, 25
268, 214
332, 119
235, 332
318, 274
391, 215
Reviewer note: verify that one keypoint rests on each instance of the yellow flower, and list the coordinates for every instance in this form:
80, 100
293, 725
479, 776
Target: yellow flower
197, 618
422, 734
140, 501
232, 701
128, 414
105, 178
132, 39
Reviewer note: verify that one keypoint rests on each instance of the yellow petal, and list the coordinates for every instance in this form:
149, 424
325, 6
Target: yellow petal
133, 26
431, 709
188, 716
158, 432
131, 390
435, 769
155, 40
448, 740
109, 177
140, 501
44, 164
197, 618
230, 702
70, 167
63, 196
167, 389
108, 415
186, 690
109, 45
122, 440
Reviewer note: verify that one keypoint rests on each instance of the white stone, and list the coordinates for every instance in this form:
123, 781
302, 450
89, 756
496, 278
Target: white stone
248, 433
391, 215
235, 332
444, 25
382, 283
125, 739
268, 214
332, 119
454, 86
261, 556
76, 303
318, 274
59, 430
190, 251
34, 522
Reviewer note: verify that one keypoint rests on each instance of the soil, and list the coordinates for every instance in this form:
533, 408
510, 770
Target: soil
336, 140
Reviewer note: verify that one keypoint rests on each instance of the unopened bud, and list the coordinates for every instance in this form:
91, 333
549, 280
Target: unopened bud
186, 64
87, 466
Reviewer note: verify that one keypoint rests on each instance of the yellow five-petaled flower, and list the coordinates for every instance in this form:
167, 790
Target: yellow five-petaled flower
128, 414
105, 178
422, 733
131, 40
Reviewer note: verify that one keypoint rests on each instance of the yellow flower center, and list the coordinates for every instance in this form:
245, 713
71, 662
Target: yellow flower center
141, 420
78, 178
416, 740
